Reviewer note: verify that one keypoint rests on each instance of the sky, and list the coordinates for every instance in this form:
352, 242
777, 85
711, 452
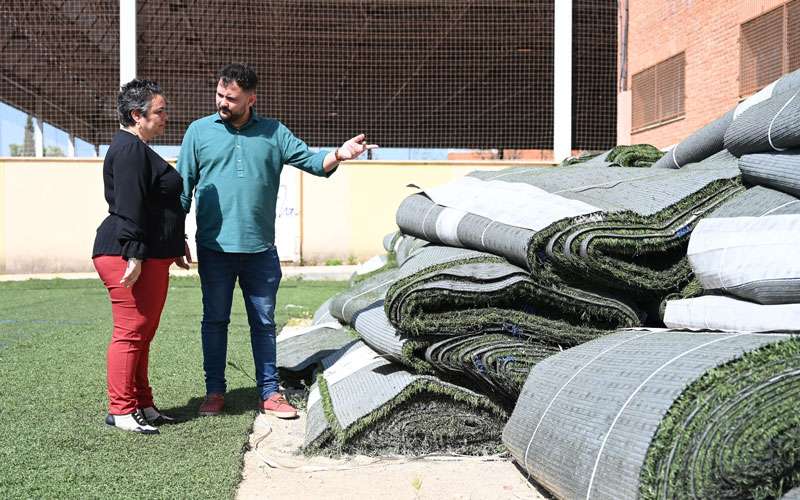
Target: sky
12, 131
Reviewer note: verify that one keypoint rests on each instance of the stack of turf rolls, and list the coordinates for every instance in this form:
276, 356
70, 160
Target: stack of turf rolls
503, 269
604, 242
500, 273
703, 409
459, 313
746, 253
746, 257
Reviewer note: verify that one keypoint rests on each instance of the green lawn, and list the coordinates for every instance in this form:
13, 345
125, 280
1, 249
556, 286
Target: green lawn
53, 440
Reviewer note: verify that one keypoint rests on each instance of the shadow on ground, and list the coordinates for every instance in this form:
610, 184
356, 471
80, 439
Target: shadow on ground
237, 402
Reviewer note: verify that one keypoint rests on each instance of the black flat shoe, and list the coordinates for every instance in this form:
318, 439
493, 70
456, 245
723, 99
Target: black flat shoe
155, 417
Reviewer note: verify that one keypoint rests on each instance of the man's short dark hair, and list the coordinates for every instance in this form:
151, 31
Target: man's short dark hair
242, 74
135, 95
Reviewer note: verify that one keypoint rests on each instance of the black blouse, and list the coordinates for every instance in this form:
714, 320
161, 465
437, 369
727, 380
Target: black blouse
145, 219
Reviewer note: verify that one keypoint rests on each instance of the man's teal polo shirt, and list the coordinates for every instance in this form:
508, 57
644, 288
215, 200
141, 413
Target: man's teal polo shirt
235, 175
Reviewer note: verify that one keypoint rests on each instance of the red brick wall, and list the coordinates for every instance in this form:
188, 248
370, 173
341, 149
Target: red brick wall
708, 31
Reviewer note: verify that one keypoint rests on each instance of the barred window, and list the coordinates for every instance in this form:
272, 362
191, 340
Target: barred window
769, 46
658, 93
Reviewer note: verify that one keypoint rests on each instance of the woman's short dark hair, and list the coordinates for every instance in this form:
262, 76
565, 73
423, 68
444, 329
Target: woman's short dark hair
242, 74
135, 95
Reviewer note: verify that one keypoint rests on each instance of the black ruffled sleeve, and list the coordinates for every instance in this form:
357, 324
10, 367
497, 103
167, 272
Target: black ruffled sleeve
132, 184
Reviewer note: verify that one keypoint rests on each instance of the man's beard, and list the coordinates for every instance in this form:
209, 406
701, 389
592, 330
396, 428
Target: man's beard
232, 117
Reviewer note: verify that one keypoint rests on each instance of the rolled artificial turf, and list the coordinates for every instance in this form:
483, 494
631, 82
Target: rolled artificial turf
627, 239
663, 414
364, 404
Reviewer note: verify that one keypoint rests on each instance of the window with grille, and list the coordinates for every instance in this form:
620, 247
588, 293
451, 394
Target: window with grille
769, 46
658, 93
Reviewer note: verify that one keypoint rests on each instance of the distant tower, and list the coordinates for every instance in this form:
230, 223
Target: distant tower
28, 145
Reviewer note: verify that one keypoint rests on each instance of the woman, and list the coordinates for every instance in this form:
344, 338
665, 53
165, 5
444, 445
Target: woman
134, 248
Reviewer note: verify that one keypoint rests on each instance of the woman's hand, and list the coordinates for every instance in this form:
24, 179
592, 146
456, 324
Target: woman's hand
180, 262
132, 273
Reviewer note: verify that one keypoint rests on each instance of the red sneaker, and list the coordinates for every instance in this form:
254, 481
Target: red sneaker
212, 405
277, 405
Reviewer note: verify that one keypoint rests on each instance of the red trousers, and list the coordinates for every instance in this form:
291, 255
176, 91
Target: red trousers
136, 312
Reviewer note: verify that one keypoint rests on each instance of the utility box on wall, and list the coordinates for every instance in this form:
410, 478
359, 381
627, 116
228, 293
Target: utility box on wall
287, 215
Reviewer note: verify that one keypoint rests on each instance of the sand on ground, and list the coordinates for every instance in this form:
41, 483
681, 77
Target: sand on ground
273, 468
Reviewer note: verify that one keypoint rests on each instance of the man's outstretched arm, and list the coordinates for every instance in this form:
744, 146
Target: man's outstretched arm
350, 150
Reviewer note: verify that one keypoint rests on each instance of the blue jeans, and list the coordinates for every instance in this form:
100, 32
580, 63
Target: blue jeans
259, 275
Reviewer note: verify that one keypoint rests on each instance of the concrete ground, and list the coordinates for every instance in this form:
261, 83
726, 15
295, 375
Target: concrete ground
273, 468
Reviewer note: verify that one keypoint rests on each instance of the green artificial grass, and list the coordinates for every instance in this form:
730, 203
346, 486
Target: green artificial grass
631, 253
53, 439
493, 337
410, 299
581, 158
733, 433
635, 155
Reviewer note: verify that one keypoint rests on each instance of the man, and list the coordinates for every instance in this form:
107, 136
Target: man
232, 162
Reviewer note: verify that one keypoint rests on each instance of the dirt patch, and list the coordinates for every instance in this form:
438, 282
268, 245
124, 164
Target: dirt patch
273, 468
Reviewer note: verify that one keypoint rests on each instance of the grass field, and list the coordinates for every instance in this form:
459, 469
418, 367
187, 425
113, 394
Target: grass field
53, 441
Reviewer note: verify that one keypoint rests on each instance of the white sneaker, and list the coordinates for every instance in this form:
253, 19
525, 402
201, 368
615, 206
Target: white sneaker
133, 422
155, 417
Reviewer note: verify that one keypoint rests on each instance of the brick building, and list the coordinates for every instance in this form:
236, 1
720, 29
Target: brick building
687, 62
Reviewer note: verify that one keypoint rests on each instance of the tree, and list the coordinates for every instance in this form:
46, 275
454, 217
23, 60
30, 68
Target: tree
53, 151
